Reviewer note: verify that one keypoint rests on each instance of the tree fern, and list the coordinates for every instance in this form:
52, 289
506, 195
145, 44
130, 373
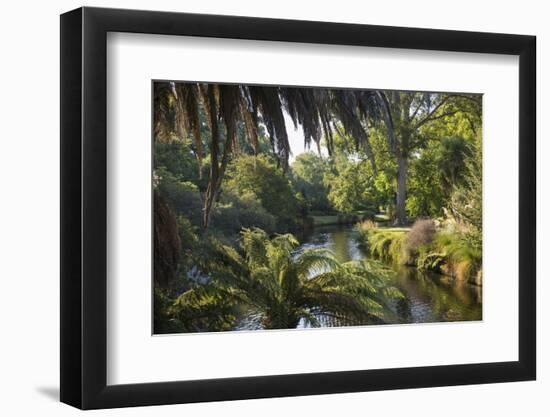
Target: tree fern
281, 288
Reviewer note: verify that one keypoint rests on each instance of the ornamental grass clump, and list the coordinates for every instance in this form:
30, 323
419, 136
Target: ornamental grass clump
388, 245
421, 234
462, 257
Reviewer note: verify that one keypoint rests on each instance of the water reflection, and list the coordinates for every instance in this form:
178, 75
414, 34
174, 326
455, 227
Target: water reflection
434, 297
430, 297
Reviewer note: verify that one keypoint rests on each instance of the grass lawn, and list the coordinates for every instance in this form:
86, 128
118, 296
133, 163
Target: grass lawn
329, 220
381, 218
325, 220
394, 229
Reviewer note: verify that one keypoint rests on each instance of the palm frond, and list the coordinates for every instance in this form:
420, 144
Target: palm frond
312, 262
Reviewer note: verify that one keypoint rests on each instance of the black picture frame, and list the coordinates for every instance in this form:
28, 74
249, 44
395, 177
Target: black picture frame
84, 207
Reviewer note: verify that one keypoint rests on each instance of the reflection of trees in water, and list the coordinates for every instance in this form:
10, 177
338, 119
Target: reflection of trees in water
435, 297
341, 243
431, 297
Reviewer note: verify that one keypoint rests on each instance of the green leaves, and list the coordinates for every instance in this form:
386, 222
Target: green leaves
258, 176
282, 287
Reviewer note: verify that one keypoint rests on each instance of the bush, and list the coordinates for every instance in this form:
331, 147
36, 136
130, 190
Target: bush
421, 234
418, 239
388, 245
184, 197
235, 212
162, 320
452, 253
457, 253
366, 226
189, 239
462, 259
259, 177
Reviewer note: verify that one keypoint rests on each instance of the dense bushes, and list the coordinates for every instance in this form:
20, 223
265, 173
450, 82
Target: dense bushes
421, 234
462, 258
437, 172
307, 177
184, 197
387, 244
259, 178
454, 251
276, 288
235, 212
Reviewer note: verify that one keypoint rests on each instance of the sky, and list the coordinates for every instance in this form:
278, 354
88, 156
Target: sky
295, 138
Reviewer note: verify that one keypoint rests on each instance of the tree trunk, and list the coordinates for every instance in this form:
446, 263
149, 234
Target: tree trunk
217, 172
401, 214
166, 244
211, 191
208, 203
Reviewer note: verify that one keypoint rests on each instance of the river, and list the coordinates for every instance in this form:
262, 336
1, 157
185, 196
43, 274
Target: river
431, 297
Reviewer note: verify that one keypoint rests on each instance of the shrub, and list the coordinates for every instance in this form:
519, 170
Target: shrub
430, 260
421, 234
184, 197
162, 320
462, 259
235, 212
366, 226
388, 244
452, 252
189, 239
258, 176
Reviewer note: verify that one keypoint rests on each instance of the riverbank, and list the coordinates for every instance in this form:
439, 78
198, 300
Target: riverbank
448, 252
320, 219
431, 296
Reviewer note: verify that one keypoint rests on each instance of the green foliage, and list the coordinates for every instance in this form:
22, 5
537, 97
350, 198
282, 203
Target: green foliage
176, 161
183, 196
204, 308
435, 172
466, 202
350, 179
462, 258
341, 219
429, 260
386, 244
205, 139
163, 322
352, 187
188, 234
453, 252
235, 212
453, 153
425, 197
307, 175
258, 176
280, 288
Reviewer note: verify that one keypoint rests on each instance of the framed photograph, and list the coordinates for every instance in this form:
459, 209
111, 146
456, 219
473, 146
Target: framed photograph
256, 208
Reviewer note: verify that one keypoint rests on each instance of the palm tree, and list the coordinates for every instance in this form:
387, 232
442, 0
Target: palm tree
178, 109
280, 288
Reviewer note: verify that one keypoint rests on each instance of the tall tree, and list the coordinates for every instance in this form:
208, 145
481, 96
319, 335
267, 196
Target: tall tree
410, 111
318, 111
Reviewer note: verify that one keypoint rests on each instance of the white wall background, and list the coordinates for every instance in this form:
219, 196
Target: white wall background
29, 208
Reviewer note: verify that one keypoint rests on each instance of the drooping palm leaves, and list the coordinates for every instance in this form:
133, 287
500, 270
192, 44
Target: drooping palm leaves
282, 289
318, 111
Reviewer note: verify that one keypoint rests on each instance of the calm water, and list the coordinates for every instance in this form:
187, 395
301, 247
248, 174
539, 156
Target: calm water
432, 297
